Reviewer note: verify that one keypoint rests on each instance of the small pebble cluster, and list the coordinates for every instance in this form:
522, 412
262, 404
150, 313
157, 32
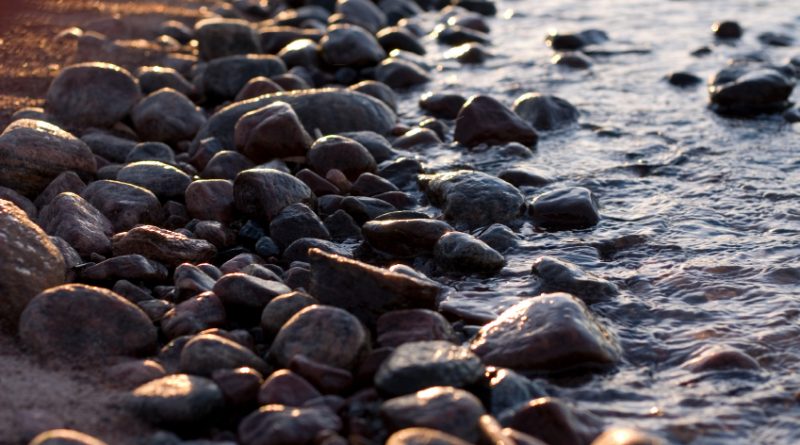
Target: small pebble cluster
248, 238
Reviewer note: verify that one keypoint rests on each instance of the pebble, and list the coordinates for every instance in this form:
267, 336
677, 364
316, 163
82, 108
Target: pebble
29, 263
348, 45
565, 209
239, 386
225, 77
346, 111
575, 41
206, 353
283, 425
65, 437
742, 92
329, 379
461, 193
294, 222
364, 208
463, 253
108, 146
399, 73
23, 145
154, 78
92, 94
62, 322
341, 153
177, 399
626, 436
299, 250
458, 35
300, 52
325, 334
168, 116
727, 30
319, 185
369, 184
151, 151
258, 86
165, 181
165, 246
193, 315
263, 192
285, 387
226, 164
468, 53
378, 90
484, 120
556, 275
419, 365
423, 436
775, 39
573, 60
405, 238
342, 226
683, 79
553, 421
412, 325
220, 37
281, 308
211, 199
442, 105
545, 112
133, 373
720, 358
449, 410
126, 267
125, 205
395, 37
499, 237
366, 291
238, 289
273, 131
509, 391
67, 181
77, 222
547, 333
20, 201
363, 13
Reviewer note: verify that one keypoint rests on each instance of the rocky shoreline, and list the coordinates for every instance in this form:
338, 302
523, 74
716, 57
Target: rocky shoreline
245, 237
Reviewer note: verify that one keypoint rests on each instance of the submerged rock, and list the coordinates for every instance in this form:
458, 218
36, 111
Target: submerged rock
565, 209
463, 253
547, 333
719, 358
545, 112
556, 275
742, 92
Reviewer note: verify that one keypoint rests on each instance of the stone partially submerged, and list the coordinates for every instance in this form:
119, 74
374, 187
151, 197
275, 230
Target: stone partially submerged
741, 91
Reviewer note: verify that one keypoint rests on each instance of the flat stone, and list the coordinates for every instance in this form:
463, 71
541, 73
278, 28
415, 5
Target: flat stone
245, 290
164, 246
405, 238
164, 180
556, 275
126, 267
207, 353
177, 399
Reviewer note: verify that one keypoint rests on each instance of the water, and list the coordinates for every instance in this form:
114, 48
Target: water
713, 203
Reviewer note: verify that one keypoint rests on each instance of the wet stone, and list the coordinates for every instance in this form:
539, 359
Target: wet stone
545, 112
547, 333
556, 275
461, 193
77, 222
194, 315
29, 263
415, 366
282, 425
258, 86
62, 322
572, 60
380, 91
524, 177
223, 78
226, 164
683, 79
325, 334
468, 53
405, 237
417, 139
743, 92
458, 35
167, 116
553, 421
263, 193
319, 185
364, 208
463, 253
395, 37
423, 436
347, 45
294, 222
720, 358
366, 291
509, 391
126, 267
178, 399
626, 436
450, 410
775, 39
369, 184
125, 205
165, 181
33, 153
164, 246
412, 325
341, 153
565, 209
207, 353
218, 37
285, 387
442, 105
499, 237
299, 249
363, 13
92, 94
727, 29
246, 290
272, 132
398, 73
483, 120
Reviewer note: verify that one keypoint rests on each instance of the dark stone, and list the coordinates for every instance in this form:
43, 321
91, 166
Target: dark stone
125, 205
67, 181
281, 308
218, 37
483, 120
274, 38
746, 93
164, 246
442, 105
405, 237
341, 153
194, 315
178, 399
62, 322
457, 35
239, 386
294, 222
468, 53
369, 184
283, 425
553, 421
223, 78
329, 379
257, 86
565, 209
545, 112
363, 208
190, 280
775, 39
683, 79
363, 13
22, 202
572, 42
347, 45
509, 391
560, 276
33, 153
77, 222
342, 226
300, 52
210, 199
423, 436
165, 181
366, 291
727, 30
29, 263
126, 267
272, 132
92, 94
245, 290
108, 146
378, 90
285, 387
499, 237
524, 177
154, 78
299, 249
65, 437
720, 358
574, 60
460, 194
319, 185
547, 333
167, 116
463, 253
226, 164
262, 192
450, 410
325, 334
151, 151
395, 37
483, 7
399, 73
207, 353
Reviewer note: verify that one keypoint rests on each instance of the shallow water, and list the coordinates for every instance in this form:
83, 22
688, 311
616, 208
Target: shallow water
713, 201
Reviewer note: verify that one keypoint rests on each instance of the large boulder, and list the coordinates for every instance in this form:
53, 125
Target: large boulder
33, 153
29, 263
